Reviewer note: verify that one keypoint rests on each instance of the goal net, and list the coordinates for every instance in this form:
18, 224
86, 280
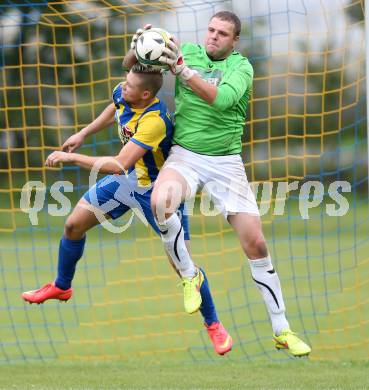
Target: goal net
304, 148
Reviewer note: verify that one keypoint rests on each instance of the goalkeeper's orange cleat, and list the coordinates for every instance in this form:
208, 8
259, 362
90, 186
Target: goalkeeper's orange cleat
220, 338
49, 291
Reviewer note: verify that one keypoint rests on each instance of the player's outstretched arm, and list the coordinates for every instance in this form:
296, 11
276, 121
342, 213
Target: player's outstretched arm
127, 158
105, 119
130, 58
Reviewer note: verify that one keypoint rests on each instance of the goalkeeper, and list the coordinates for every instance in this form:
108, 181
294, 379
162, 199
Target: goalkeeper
213, 88
145, 129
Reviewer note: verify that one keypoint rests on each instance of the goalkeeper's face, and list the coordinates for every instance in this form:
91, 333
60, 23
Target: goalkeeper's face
220, 39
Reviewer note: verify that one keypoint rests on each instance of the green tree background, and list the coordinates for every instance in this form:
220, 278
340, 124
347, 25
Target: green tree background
59, 69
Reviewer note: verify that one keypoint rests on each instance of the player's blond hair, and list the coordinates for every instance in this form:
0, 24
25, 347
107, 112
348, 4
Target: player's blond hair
151, 78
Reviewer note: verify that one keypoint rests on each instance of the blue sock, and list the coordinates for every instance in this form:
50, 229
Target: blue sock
70, 251
207, 307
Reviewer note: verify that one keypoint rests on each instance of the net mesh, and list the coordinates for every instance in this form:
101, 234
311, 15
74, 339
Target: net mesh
306, 122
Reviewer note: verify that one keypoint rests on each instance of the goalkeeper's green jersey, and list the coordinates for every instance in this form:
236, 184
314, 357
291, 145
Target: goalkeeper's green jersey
213, 129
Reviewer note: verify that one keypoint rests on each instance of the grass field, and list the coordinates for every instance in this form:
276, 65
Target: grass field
164, 376
125, 326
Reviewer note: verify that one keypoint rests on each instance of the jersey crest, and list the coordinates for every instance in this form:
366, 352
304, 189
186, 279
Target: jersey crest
125, 133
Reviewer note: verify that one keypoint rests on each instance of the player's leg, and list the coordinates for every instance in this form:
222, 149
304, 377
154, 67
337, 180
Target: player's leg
84, 216
249, 230
72, 243
219, 336
169, 191
207, 308
222, 341
71, 248
232, 195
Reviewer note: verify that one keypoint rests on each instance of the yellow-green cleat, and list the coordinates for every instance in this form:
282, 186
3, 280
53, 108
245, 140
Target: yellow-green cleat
191, 292
288, 340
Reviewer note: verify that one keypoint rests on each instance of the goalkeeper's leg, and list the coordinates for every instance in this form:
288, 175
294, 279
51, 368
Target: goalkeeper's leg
248, 228
220, 338
169, 192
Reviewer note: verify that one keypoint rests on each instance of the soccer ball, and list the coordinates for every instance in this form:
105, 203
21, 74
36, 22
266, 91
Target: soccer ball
150, 45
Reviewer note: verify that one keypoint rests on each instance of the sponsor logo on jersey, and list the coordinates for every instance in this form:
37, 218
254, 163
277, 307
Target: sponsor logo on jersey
213, 77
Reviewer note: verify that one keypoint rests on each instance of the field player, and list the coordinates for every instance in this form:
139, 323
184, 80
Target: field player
213, 87
145, 128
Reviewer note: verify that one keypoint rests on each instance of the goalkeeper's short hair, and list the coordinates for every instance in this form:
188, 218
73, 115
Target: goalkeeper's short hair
231, 18
152, 78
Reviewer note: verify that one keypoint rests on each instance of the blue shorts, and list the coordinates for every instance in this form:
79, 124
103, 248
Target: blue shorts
115, 195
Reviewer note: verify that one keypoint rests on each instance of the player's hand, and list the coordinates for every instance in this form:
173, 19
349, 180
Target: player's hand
73, 142
137, 34
174, 59
58, 157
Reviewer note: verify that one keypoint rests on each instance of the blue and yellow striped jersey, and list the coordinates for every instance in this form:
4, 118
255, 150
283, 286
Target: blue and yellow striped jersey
151, 128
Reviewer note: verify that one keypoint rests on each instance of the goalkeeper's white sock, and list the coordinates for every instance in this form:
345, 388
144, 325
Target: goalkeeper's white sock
173, 238
267, 281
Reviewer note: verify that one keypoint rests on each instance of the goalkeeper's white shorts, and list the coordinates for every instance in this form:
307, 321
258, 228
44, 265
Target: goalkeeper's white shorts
222, 178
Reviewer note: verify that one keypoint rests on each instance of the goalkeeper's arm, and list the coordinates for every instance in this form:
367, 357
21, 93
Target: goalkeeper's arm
235, 81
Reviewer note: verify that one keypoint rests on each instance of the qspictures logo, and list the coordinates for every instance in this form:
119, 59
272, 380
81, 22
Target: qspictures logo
123, 189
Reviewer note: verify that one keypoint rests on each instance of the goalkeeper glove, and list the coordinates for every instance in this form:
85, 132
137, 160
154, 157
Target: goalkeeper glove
137, 34
174, 58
